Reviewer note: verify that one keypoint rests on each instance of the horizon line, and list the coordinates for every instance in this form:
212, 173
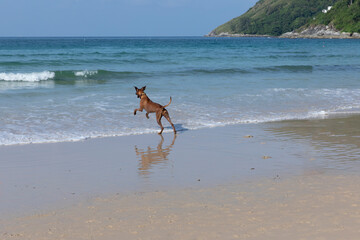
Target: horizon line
100, 36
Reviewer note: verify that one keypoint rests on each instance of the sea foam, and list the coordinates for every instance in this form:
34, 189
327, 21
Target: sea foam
85, 73
27, 77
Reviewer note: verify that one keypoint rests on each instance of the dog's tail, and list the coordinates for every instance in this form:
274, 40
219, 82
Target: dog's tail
168, 103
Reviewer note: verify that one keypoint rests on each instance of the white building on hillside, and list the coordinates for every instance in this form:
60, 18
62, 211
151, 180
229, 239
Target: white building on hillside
328, 9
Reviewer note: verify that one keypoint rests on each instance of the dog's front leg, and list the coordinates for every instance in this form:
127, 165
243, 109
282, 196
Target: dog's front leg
147, 115
138, 109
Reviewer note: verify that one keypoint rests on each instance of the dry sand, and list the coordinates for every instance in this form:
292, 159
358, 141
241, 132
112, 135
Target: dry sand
310, 207
289, 180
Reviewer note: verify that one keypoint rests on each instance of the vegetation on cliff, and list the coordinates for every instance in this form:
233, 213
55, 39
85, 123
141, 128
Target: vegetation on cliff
344, 16
275, 17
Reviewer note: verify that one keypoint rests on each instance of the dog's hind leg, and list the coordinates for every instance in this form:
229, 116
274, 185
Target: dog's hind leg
166, 115
158, 119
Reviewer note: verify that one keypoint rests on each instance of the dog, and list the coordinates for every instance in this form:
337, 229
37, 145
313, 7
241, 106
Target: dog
152, 107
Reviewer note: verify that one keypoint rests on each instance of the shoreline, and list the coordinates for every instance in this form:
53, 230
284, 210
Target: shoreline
282, 37
181, 129
312, 32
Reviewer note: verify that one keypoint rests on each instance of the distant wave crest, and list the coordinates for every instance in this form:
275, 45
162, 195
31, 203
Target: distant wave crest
27, 77
287, 68
85, 73
68, 76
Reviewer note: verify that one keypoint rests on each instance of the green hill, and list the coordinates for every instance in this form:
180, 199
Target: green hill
275, 17
344, 16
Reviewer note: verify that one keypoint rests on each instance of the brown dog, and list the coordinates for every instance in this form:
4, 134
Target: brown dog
150, 107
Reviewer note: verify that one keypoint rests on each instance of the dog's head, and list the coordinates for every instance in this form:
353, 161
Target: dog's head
140, 92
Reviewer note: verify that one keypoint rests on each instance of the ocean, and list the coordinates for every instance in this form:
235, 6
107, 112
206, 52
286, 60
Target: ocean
71, 89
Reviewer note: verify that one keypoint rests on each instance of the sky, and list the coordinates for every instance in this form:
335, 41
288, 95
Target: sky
21, 18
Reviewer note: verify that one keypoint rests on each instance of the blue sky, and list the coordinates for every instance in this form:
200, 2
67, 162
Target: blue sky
116, 17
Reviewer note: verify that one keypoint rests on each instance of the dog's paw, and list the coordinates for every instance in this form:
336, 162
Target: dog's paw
135, 112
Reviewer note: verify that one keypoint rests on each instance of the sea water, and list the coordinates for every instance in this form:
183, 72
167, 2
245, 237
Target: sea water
69, 89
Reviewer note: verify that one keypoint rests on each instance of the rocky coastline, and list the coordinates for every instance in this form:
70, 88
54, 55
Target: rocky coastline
226, 34
317, 32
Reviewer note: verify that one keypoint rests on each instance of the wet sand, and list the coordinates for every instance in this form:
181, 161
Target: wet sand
296, 179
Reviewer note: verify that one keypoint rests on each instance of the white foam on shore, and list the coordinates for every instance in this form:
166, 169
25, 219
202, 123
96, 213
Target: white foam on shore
98, 115
27, 77
8, 139
193, 124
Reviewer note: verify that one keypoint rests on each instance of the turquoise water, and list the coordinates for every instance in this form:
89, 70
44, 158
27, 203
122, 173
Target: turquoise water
68, 89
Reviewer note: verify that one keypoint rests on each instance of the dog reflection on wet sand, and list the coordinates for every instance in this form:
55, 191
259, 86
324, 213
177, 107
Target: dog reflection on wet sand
153, 156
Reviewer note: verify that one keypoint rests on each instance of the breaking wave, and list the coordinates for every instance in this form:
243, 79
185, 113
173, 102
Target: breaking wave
27, 77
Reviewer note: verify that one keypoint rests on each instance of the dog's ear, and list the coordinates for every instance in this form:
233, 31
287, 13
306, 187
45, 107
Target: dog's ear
143, 88
136, 88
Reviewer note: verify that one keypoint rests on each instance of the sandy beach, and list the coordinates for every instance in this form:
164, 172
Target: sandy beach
281, 180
